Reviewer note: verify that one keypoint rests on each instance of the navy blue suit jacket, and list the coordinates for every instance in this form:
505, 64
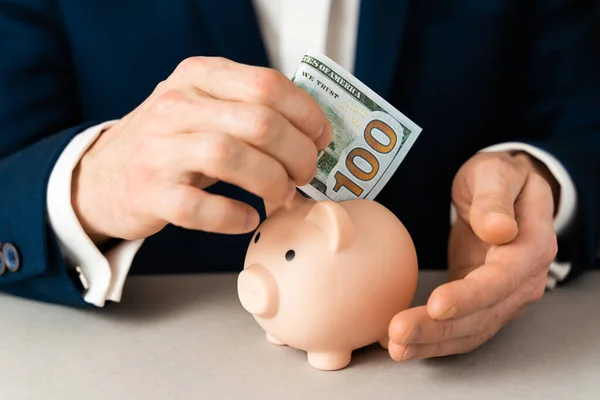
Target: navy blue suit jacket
471, 73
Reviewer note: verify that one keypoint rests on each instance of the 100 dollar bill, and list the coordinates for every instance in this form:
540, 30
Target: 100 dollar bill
370, 137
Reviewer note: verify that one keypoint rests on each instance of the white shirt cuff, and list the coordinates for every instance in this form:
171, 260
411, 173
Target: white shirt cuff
102, 276
567, 202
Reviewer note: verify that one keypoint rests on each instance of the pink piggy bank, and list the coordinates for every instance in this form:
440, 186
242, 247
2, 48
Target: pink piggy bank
327, 277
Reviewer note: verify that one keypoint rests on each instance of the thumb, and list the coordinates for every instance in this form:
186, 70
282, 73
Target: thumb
496, 184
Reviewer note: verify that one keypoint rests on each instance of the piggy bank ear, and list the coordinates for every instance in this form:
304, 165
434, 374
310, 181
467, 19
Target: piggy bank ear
334, 221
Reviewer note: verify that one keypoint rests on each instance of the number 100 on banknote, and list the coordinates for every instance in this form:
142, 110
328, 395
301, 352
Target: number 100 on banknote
370, 137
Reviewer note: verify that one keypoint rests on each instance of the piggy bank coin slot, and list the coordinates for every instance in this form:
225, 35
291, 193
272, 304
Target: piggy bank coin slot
257, 237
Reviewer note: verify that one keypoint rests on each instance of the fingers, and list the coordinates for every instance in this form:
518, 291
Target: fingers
496, 183
483, 287
192, 208
227, 80
440, 349
504, 275
466, 251
260, 126
228, 159
415, 326
507, 267
535, 211
413, 334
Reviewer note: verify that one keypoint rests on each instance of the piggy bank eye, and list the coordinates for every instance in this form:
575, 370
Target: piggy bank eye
257, 237
290, 255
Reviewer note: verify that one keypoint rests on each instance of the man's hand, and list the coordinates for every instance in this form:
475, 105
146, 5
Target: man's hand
212, 119
500, 249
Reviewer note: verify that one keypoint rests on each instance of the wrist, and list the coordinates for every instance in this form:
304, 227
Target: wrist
86, 198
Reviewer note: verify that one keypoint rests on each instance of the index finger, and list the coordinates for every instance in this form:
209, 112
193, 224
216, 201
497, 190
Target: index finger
506, 266
228, 80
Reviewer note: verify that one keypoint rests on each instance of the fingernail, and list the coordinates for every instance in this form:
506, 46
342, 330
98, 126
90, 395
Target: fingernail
323, 138
290, 192
412, 336
324, 129
410, 352
449, 313
320, 133
252, 220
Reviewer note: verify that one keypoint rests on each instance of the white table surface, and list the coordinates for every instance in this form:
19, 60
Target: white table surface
187, 337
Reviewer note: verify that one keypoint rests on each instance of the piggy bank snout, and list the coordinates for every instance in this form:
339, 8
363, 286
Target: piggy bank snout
257, 291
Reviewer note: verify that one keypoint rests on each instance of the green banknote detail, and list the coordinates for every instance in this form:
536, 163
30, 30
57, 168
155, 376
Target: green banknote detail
349, 107
343, 138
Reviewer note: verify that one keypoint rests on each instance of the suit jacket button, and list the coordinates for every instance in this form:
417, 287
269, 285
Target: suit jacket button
11, 257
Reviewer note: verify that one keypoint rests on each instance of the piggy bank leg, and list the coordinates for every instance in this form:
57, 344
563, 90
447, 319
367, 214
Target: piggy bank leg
272, 340
329, 361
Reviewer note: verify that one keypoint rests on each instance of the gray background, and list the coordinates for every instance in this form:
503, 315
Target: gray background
188, 337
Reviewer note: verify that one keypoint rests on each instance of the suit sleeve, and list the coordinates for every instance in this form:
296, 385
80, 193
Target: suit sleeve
39, 115
560, 110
